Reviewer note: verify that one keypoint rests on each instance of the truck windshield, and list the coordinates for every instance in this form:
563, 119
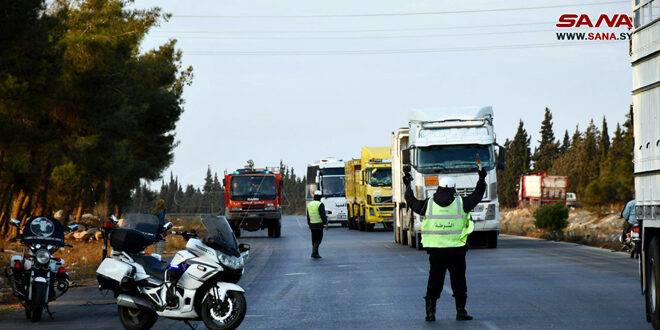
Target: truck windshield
380, 177
456, 158
333, 186
257, 187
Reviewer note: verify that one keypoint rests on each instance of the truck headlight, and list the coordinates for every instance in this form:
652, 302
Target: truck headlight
236, 208
371, 212
231, 262
43, 256
490, 212
270, 207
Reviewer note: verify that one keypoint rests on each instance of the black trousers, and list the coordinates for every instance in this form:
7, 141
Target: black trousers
441, 263
317, 235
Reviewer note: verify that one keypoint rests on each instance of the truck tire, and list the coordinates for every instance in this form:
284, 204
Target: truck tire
404, 236
361, 224
271, 229
369, 226
277, 231
492, 239
653, 280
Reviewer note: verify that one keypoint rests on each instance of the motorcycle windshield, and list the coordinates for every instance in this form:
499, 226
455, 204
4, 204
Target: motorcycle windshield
147, 224
219, 235
43, 230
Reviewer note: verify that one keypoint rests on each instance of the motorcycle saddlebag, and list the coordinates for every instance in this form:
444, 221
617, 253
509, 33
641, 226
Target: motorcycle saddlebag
112, 273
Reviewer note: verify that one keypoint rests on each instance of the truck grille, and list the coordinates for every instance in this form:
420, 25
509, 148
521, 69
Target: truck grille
464, 191
386, 209
383, 199
253, 207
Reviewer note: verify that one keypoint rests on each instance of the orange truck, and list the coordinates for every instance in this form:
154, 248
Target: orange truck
253, 199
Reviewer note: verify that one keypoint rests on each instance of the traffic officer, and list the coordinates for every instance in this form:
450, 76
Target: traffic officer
444, 233
316, 219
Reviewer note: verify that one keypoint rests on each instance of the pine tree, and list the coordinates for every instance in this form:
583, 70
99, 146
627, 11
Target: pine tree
546, 152
565, 144
517, 163
604, 141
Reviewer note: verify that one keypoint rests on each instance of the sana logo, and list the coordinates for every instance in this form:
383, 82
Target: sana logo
42, 227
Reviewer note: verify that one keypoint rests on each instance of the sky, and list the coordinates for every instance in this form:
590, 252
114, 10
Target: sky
270, 85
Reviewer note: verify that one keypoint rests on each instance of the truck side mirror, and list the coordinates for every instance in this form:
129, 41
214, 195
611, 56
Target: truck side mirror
224, 182
405, 156
501, 158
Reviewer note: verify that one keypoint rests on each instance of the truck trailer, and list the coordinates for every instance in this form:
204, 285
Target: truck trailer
253, 199
540, 189
446, 142
645, 58
327, 175
369, 189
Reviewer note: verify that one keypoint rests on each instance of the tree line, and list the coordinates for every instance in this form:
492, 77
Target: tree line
210, 198
599, 168
85, 113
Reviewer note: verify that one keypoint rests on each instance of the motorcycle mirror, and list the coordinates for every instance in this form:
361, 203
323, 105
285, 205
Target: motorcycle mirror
73, 227
243, 247
114, 218
167, 226
15, 222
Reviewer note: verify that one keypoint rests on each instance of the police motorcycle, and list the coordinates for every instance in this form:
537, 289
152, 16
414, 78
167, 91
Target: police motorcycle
198, 284
36, 277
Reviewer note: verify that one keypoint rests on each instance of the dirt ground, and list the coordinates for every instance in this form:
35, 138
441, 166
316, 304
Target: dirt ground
585, 227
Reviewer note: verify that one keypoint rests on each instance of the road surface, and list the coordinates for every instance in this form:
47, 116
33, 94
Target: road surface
366, 281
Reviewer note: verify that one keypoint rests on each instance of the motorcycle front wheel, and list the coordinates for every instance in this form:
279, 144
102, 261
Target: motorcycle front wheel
137, 319
226, 314
37, 303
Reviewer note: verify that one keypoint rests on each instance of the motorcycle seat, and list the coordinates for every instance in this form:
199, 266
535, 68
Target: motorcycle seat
152, 266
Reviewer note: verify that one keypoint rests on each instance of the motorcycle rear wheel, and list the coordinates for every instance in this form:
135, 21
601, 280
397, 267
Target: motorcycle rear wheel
222, 315
136, 319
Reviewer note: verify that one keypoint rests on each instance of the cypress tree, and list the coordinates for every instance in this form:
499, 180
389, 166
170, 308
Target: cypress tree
546, 152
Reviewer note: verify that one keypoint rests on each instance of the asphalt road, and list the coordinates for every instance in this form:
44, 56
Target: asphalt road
366, 281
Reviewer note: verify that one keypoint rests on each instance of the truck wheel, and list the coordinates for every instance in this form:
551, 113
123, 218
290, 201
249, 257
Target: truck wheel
404, 236
361, 224
369, 226
653, 279
277, 231
271, 230
492, 239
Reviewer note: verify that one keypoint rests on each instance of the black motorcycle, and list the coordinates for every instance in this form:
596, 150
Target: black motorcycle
37, 277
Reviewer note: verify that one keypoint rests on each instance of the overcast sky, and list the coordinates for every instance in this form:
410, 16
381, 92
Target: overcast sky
249, 102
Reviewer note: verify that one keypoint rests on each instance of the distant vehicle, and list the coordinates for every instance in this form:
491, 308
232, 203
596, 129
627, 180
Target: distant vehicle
645, 56
36, 277
446, 141
327, 175
253, 199
571, 200
539, 189
369, 189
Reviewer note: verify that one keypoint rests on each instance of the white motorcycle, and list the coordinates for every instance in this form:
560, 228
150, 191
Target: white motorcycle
198, 284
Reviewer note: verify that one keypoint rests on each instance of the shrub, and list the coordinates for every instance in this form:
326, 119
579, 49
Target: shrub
552, 217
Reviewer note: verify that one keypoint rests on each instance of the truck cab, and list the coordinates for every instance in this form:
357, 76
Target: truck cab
253, 200
327, 175
447, 142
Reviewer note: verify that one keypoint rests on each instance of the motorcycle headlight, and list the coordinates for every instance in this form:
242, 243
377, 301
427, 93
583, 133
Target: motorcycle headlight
231, 262
43, 256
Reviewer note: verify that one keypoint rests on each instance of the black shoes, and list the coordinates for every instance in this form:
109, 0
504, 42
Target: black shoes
315, 251
462, 315
430, 309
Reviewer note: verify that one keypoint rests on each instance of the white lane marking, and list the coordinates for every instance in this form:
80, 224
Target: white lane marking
336, 282
294, 274
384, 304
490, 325
298, 222
421, 270
342, 266
254, 315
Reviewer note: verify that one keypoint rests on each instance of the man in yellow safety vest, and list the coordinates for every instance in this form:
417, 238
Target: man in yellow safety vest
445, 228
316, 219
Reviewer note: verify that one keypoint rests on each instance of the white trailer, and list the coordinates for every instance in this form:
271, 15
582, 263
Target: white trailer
645, 57
446, 141
327, 175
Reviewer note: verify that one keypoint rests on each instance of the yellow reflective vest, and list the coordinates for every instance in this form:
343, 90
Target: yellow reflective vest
313, 212
445, 227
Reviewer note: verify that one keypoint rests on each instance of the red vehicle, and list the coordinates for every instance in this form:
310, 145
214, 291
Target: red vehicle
539, 189
253, 199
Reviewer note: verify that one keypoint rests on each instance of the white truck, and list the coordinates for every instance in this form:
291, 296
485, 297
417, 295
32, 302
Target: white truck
446, 142
645, 58
327, 175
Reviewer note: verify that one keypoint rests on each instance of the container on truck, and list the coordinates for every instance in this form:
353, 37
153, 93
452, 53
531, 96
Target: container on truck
540, 189
253, 199
445, 142
369, 189
645, 58
327, 175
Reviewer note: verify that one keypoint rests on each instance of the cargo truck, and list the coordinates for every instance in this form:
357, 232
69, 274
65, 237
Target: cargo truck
645, 58
369, 189
327, 175
540, 189
446, 142
253, 199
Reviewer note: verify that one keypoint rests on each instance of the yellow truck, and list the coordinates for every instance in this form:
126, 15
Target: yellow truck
369, 189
